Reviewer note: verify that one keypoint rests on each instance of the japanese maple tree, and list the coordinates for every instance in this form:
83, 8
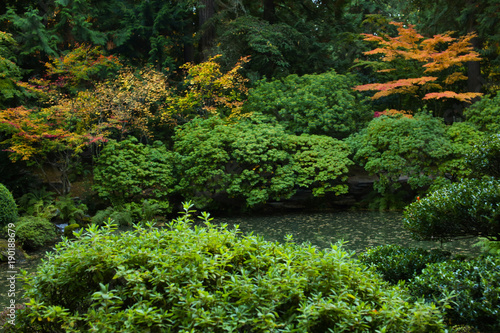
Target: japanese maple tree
436, 63
48, 136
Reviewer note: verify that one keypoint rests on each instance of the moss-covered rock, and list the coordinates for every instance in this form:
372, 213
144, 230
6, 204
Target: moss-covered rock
4, 251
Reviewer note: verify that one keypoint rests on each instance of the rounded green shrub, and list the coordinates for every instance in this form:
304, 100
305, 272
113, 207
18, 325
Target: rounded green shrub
392, 147
8, 208
129, 171
397, 263
475, 285
34, 232
323, 104
467, 208
211, 279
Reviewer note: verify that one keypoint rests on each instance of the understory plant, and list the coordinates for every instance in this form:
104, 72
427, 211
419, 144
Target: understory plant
393, 147
34, 232
209, 278
476, 288
398, 263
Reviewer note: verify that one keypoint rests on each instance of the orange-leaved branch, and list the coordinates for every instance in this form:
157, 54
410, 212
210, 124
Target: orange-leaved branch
416, 56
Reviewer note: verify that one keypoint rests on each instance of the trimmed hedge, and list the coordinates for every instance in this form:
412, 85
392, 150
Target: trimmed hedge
211, 279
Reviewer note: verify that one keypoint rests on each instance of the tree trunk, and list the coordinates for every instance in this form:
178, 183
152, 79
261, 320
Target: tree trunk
474, 79
269, 11
206, 11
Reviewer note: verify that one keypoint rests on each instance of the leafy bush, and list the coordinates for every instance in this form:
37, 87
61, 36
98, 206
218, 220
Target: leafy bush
28, 201
395, 146
485, 114
314, 104
475, 284
68, 210
129, 213
210, 279
254, 162
120, 217
34, 232
468, 208
397, 263
8, 208
130, 172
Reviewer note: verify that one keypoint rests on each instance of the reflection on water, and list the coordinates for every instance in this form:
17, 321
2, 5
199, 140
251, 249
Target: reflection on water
359, 229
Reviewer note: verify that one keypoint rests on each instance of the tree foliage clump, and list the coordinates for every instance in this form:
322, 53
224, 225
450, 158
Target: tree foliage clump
392, 147
210, 278
10, 73
131, 172
485, 114
323, 104
208, 90
8, 207
431, 67
256, 162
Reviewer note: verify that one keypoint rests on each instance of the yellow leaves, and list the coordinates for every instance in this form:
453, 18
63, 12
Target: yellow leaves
388, 88
452, 78
210, 90
464, 97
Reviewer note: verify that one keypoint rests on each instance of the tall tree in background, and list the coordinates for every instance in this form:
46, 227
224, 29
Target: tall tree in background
467, 16
422, 68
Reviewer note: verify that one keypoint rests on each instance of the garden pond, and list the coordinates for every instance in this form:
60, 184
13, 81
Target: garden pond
358, 229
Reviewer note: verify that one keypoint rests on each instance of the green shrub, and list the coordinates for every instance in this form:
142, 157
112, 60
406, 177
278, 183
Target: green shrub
34, 232
251, 163
323, 104
476, 285
68, 210
468, 208
129, 171
395, 146
8, 208
484, 159
28, 201
210, 279
397, 263
485, 114
119, 217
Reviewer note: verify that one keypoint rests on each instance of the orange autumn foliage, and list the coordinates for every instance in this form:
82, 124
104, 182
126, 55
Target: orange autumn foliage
434, 55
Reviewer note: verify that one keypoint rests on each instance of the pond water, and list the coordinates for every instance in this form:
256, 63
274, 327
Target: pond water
359, 229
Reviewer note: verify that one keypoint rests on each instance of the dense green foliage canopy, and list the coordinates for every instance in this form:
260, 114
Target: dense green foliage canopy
323, 104
255, 161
